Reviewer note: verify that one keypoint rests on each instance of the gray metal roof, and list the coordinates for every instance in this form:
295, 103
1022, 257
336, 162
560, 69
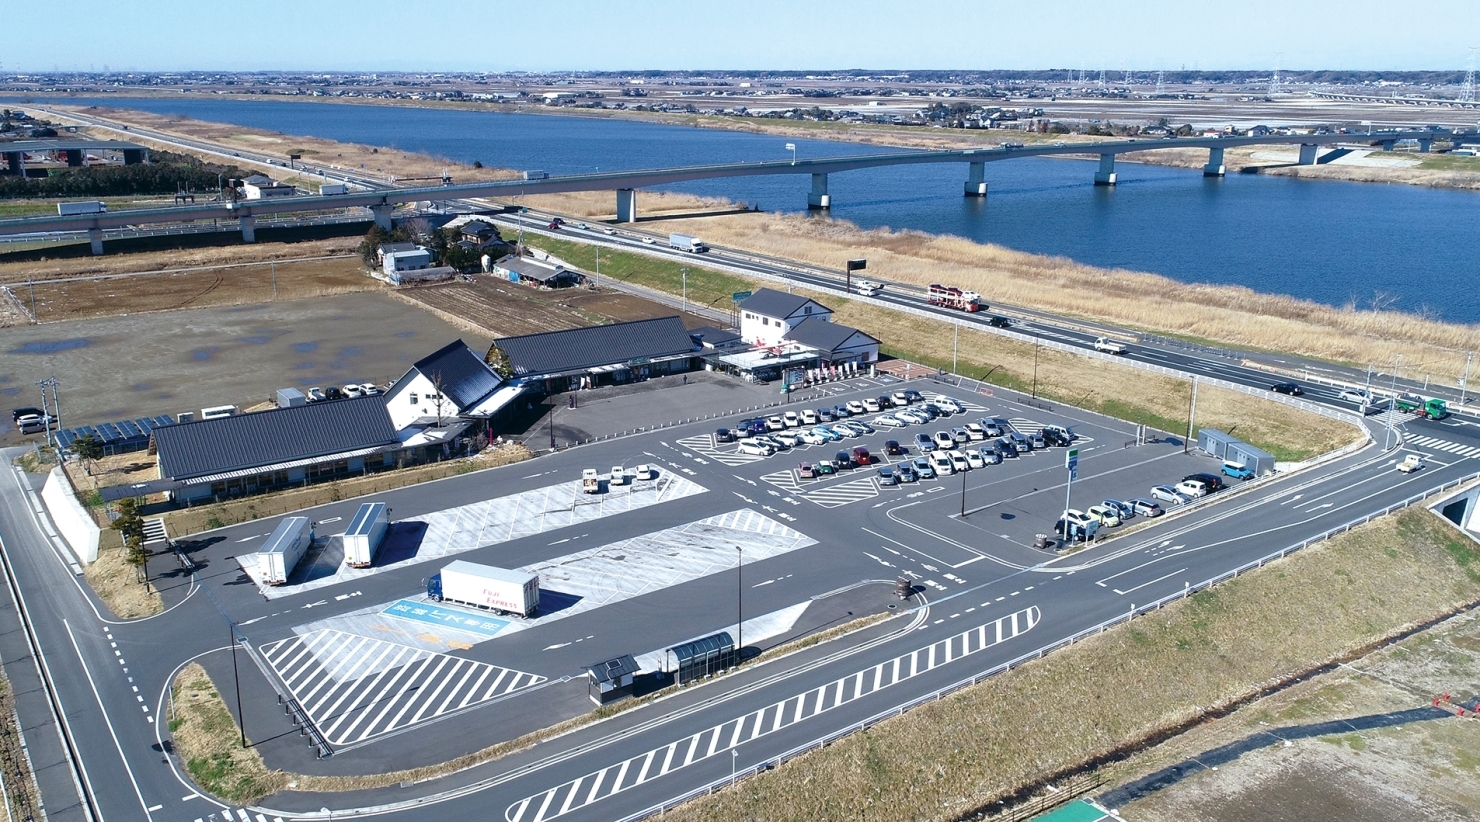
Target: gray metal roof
771, 303
196, 449
822, 335
462, 375
612, 670
714, 337
553, 352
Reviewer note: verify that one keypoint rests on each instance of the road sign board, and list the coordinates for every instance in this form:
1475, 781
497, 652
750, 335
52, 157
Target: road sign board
857, 265
1071, 458
740, 296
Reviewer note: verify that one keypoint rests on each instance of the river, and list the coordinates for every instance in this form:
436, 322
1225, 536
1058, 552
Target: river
1336, 243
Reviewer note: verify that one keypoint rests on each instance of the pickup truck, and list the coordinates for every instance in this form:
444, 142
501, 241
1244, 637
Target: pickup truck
1410, 463
1106, 345
590, 481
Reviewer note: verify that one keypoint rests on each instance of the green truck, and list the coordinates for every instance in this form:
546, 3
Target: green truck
1432, 408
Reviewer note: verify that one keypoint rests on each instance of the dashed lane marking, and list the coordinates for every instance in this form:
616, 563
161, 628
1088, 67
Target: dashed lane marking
720, 739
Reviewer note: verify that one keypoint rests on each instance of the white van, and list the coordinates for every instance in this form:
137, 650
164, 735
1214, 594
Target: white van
755, 448
619, 476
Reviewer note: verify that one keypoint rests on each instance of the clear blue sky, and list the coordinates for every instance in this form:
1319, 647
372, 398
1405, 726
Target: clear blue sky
539, 35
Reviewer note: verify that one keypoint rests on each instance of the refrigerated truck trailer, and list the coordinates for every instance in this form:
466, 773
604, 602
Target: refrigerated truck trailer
363, 536
287, 544
487, 587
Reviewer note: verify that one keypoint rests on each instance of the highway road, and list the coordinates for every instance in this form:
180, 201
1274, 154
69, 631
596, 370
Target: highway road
981, 602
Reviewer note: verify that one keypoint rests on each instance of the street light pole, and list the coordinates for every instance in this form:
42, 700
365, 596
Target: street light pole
1035, 365
792, 147
1393, 406
1464, 384
963, 493
685, 272
739, 605
236, 676
955, 349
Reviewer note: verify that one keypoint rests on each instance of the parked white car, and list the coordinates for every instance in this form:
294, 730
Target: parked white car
872, 405
855, 407
791, 419
959, 462
888, 421
941, 463
756, 448
812, 437
809, 417
1192, 488
1167, 493
944, 440
943, 401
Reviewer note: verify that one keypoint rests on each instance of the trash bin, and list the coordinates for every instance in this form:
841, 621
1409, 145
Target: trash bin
1040, 541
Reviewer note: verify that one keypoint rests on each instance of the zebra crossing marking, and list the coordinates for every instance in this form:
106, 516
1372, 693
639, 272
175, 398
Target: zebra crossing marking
705, 445
834, 496
241, 812
1435, 443
355, 688
727, 735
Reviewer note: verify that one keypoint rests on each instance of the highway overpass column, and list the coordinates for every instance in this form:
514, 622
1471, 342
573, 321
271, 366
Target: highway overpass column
819, 199
74, 157
1106, 175
249, 228
1387, 145
1214, 168
1424, 145
15, 163
626, 205
95, 236
382, 216
976, 184
1308, 153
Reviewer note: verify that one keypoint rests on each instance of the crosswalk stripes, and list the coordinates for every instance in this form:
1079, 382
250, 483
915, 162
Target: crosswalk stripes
1436, 444
629, 773
785, 480
833, 496
724, 454
355, 688
1393, 417
1028, 427
225, 815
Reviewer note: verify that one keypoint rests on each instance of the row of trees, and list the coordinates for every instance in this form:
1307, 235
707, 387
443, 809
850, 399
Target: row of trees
167, 174
441, 242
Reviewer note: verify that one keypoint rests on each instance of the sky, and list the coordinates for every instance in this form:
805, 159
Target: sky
529, 35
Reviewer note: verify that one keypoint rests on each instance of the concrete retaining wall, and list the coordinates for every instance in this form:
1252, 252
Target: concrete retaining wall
71, 518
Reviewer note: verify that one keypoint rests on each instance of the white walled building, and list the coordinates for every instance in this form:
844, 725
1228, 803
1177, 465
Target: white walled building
451, 382
767, 315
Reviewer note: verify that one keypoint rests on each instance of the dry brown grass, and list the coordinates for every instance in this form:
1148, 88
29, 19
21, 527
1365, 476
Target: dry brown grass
237, 285
1234, 316
219, 515
206, 738
116, 584
170, 260
952, 757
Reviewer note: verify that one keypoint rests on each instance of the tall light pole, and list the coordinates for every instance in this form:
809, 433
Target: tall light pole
792, 147
739, 605
685, 272
955, 349
1464, 384
1393, 405
236, 676
1035, 364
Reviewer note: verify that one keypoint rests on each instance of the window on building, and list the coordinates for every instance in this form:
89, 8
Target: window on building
413, 398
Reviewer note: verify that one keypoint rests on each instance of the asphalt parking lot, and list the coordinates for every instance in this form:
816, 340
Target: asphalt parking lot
717, 537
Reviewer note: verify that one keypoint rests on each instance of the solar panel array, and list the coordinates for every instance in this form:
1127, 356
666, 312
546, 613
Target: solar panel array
117, 437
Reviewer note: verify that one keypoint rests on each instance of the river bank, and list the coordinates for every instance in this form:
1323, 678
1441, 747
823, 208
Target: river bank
1436, 171
1229, 316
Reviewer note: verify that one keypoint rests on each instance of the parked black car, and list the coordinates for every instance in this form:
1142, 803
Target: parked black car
724, 435
1055, 438
842, 460
913, 395
892, 448
1213, 481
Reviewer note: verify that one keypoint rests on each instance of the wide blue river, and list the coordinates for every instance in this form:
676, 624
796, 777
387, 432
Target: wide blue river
1332, 242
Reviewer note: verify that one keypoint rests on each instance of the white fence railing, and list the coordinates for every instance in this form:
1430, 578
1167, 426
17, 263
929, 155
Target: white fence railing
772, 761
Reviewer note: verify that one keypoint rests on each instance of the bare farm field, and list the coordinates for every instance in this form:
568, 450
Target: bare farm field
501, 309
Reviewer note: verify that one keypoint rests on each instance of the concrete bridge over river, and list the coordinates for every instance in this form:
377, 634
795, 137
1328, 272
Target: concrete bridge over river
383, 200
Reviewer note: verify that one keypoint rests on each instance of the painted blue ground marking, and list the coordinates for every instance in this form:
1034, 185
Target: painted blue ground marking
446, 617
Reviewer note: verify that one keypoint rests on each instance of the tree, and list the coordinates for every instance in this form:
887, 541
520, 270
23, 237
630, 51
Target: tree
131, 527
374, 239
88, 449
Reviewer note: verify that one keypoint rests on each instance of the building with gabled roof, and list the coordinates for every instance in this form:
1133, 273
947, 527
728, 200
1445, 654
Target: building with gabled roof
767, 315
616, 352
450, 383
835, 342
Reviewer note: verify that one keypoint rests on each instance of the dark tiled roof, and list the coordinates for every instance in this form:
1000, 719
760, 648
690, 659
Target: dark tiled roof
196, 449
554, 352
392, 248
463, 377
709, 335
770, 303
478, 228
821, 334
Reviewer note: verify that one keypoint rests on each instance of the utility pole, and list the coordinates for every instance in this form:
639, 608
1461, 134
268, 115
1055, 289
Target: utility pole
236, 675
1071, 462
1035, 364
955, 349
1392, 405
963, 493
739, 606
1464, 384
1191, 415
685, 272
274, 279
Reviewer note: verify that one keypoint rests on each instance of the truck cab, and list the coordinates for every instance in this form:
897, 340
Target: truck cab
1410, 463
1105, 345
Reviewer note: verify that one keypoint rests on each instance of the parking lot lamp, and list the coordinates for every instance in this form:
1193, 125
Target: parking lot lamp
685, 272
792, 147
1035, 365
739, 604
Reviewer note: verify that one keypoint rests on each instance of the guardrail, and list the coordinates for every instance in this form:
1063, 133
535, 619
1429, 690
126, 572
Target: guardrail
1004, 667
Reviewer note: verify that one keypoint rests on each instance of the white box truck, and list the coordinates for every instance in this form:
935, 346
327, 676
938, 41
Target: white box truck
85, 207
684, 242
483, 586
284, 547
326, 189
362, 537
536, 175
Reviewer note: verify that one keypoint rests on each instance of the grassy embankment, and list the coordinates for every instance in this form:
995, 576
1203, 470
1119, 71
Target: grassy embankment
1119, 690
1115, 390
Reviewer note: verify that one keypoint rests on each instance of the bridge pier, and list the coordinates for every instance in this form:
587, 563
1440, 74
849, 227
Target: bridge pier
1424, 145
1387, 145
976, 184
1308, 153
1214, 168
382, 216
1106, 175
95, 236
819, 199
248, 224
74, 157
15, 163
626, 205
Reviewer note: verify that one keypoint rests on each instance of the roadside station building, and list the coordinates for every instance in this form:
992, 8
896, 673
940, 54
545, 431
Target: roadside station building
617, 353
767, 315
793, 335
